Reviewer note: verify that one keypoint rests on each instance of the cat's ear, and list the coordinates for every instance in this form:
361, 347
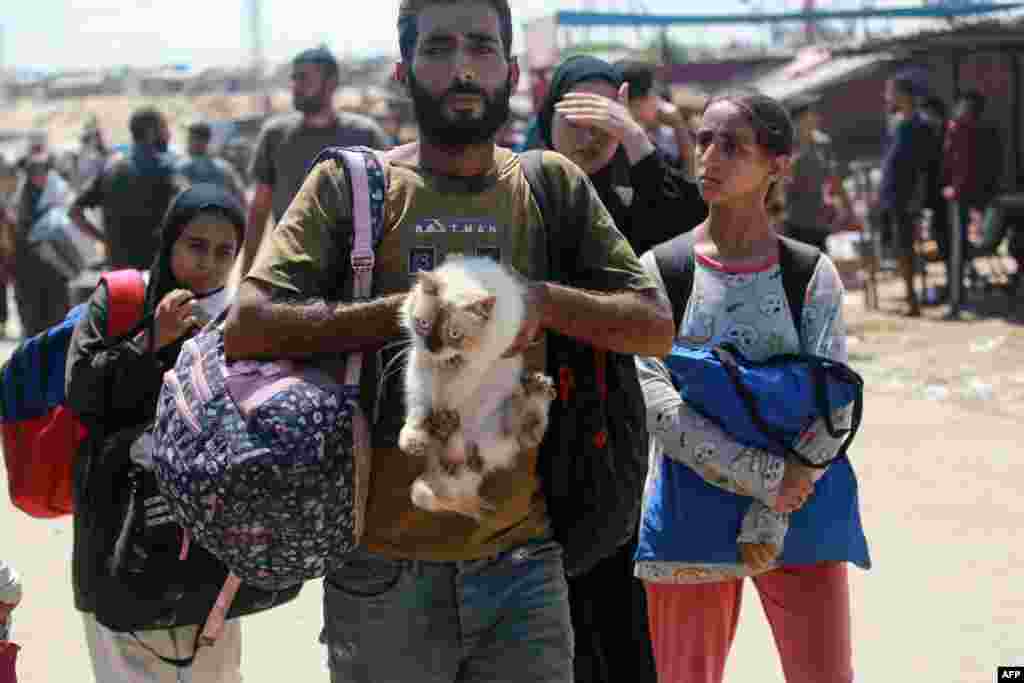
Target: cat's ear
485, 307
428, 282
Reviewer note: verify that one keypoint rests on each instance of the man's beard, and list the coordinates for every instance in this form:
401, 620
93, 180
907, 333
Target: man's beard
437, 127
309, 104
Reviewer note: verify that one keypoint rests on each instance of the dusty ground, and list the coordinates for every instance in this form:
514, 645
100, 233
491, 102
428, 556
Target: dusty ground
977, 363
942, 483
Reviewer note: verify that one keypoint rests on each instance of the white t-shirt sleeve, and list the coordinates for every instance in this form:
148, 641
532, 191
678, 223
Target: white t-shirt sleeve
824, 329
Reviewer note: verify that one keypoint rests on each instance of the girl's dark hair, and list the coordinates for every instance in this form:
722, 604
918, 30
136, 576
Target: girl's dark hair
408, 14
773, 129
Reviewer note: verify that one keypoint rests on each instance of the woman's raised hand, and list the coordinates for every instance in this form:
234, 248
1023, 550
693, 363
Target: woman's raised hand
612, 117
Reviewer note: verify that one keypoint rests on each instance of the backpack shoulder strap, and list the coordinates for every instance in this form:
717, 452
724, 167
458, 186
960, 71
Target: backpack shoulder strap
797, 261
533, 168
364, 170
367, 184
676, 263
541, 187
562, 219
126, 295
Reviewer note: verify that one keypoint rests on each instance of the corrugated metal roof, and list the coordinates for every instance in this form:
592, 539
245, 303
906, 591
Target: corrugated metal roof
782, 84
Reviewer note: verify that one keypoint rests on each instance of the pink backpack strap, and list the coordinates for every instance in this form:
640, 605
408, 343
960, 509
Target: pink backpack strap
362, 245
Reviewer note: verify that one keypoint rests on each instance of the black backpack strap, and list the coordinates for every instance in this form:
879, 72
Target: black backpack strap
676, 263
564, 217
178, 663
797, 261
543, 191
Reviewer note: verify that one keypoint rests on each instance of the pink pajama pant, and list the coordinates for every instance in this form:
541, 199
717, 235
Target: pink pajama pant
808, 608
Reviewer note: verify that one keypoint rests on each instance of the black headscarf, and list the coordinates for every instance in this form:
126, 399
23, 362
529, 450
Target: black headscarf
568, 75
187, 205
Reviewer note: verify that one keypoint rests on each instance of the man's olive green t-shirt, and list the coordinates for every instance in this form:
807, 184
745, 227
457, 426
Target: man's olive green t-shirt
428, 217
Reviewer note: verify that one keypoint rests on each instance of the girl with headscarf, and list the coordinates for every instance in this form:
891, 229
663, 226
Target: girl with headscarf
113, 386
586, 117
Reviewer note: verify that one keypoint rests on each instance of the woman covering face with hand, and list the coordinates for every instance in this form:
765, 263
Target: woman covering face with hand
113, 386
586, 117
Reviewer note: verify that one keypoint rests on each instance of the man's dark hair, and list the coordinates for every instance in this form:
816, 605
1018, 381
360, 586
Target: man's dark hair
200, 130
773, 129
144, 122
937, 106
975, 102
321, 57
912, 83
640, 76
409, 10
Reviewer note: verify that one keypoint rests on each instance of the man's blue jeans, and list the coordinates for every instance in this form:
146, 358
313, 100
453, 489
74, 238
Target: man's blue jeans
505, 618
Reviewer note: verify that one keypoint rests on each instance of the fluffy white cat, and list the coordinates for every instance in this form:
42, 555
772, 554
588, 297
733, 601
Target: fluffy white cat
469, 411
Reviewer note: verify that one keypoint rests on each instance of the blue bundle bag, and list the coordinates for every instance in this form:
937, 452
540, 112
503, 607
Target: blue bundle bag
768, 404
765, 405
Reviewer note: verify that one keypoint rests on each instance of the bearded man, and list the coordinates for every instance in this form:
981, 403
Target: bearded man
431, 597
289, 143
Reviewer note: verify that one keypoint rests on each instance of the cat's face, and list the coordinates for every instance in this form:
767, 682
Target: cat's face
447, 330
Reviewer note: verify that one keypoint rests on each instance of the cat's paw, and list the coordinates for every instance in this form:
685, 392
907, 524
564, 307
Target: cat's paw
415, 442
533, 427
539, 383
424, 497
443, 423
428, 496
758, 556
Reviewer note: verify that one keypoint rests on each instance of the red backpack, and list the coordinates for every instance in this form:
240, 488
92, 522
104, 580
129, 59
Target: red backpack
40, 434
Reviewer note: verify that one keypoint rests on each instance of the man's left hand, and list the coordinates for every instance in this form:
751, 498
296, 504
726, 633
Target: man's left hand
534, 303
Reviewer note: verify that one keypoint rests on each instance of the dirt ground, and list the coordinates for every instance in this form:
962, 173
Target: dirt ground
976, 363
